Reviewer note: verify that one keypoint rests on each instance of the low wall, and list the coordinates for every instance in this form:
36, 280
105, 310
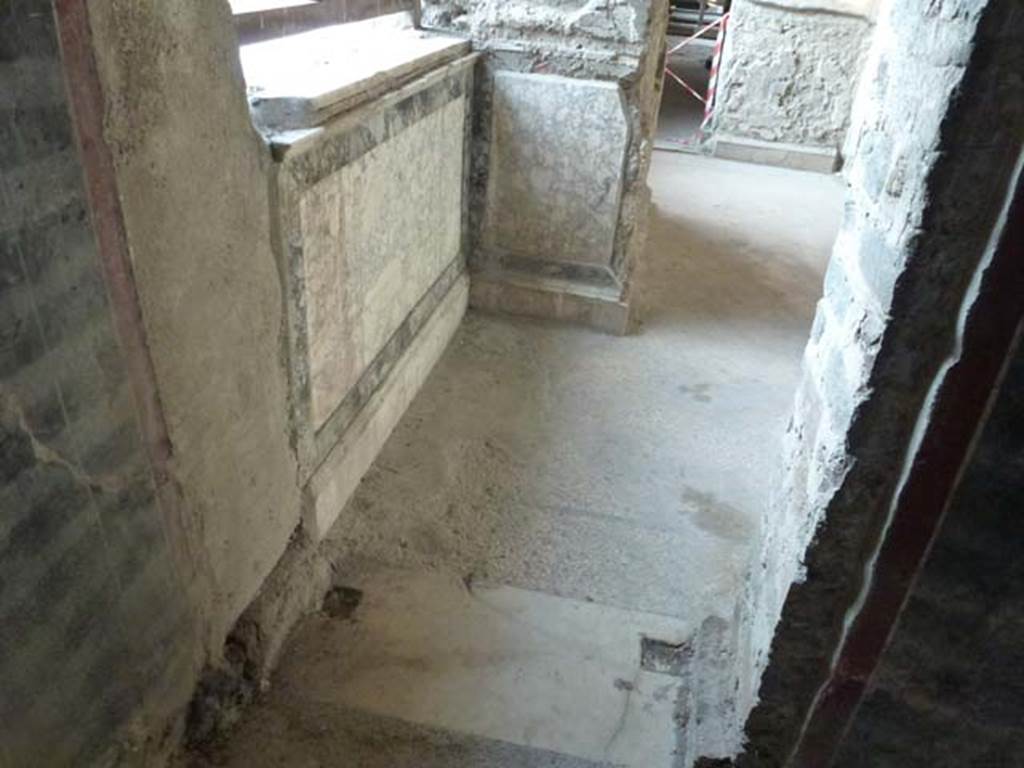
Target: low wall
371, 225
566, 105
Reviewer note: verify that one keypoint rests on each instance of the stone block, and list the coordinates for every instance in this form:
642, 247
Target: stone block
796, 156
873, 160
508, 294
878, 263
789, 73
300, 81
556, 171
840, 297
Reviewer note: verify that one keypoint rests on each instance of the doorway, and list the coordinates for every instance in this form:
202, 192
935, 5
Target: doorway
695, 36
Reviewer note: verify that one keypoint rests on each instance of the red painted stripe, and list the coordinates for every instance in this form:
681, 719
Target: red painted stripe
993, 325
87, 107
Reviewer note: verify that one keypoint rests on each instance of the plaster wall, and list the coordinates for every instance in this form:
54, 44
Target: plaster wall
790, 70
217, 223
193, 177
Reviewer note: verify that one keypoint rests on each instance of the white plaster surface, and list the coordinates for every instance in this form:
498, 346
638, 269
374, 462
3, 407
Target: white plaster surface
556, 167
376, 235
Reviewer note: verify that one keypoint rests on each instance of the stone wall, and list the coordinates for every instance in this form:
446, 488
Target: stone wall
950, 688
97, 640
560, 82
790, 70
936, 119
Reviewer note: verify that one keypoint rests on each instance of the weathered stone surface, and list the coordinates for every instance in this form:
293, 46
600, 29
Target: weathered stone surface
617, 42
603, 23
789, 74
530, 296
376, 235
556, 167
865, 8
796, 156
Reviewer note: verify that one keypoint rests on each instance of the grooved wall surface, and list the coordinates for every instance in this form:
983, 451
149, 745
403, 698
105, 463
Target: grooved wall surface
93, 628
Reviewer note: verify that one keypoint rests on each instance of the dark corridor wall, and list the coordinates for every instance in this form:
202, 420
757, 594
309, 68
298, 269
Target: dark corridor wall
950, 688
93, 628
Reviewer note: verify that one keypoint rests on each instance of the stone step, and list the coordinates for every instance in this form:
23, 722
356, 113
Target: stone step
495, 671
339, 736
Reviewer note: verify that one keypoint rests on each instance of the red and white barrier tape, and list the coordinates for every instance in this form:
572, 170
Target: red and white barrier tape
697, 34
716, 60
689, 88
716, 57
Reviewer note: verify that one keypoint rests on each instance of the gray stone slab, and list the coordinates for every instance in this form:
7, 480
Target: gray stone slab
796, 156
529, 295
556, 170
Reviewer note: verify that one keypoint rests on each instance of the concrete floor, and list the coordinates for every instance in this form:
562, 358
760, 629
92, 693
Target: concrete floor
553, 496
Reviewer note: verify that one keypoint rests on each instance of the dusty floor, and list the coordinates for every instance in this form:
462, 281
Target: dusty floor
553, 495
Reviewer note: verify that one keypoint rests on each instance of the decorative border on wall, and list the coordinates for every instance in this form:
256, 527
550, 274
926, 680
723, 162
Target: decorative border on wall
383, 364
303, 159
